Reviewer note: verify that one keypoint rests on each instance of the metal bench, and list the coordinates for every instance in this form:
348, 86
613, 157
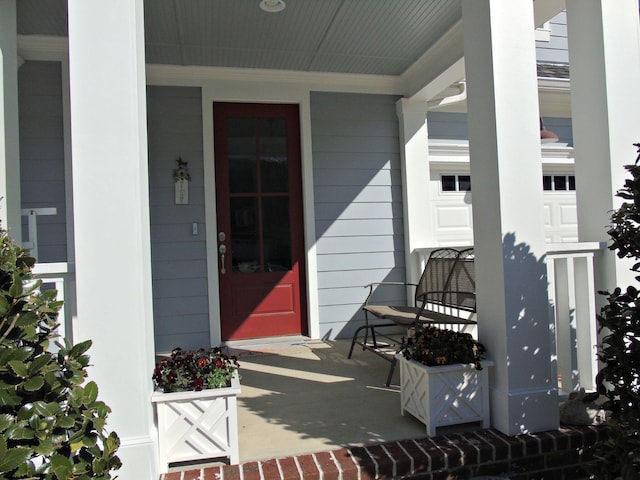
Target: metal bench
445, 295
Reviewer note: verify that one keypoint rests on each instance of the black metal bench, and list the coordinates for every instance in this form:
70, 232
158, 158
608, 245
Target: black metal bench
445, 295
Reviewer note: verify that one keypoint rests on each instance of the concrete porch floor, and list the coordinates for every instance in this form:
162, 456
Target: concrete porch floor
306, 412
302, 396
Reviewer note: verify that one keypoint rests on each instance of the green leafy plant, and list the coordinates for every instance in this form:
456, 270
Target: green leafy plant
433, 346
187, 370
619, 321
51, 425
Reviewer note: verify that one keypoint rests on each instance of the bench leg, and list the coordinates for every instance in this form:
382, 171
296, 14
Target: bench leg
391, 370
355, 338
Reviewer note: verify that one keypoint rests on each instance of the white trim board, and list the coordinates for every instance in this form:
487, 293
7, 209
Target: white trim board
247, 92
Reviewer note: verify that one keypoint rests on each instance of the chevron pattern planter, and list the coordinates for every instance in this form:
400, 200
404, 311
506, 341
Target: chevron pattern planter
444, 395
198, 425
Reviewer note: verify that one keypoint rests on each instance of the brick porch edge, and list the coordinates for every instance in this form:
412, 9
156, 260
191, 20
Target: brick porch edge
555, 455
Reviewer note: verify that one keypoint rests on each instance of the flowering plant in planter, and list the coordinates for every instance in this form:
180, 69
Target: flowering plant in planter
194, 370
433, 346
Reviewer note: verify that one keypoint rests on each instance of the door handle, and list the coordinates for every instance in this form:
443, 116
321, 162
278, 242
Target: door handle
222, 249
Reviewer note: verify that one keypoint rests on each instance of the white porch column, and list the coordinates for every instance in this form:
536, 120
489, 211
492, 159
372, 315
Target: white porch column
9, 144
604, 50
506, 173
414, 154
111, 213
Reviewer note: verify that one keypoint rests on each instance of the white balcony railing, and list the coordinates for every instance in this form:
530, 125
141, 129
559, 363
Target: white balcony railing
572, 303
60, 276
572, 306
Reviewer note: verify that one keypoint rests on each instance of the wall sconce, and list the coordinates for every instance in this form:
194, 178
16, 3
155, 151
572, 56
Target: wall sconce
181, 178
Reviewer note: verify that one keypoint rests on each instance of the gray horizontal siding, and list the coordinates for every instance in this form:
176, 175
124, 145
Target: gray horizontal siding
357, 178
179, 269
359, 278
453, 126
353, 261
447, 126
180, 298
346, 228
556, 49
376, 243
344, 194
561, 127
358, 204
329, 211
42, 169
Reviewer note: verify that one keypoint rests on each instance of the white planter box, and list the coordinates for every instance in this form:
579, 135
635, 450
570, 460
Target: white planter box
198, 425
444, 395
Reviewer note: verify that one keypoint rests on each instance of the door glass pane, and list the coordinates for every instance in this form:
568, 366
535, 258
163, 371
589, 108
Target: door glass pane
277, 240
273, 155
245, 251
241, 145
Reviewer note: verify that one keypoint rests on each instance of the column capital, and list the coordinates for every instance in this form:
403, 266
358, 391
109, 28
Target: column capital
408, 106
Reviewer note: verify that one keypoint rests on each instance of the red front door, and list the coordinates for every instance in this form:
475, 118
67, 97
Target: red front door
260, 228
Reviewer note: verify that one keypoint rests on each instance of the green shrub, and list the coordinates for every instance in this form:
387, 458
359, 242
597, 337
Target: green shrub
619, 321
51, 425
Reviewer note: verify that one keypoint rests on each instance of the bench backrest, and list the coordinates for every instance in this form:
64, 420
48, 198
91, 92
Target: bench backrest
448, 279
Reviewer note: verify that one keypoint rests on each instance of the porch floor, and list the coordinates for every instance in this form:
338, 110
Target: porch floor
300, 397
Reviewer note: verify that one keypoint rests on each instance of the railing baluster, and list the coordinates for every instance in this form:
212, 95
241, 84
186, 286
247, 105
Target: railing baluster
570, 270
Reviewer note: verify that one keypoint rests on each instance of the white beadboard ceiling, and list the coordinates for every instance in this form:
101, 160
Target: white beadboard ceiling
377, 37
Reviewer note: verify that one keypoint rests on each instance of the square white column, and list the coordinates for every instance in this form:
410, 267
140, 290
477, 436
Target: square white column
9, 142
604, 53
111, 217
414, 155
506, 173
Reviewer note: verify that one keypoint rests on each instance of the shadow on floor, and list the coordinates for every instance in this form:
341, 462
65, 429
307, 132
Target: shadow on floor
308, 396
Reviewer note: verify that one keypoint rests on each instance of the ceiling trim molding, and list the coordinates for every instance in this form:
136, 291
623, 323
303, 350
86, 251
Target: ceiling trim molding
333, 82
55, 48
561, 85
438, 68
43, 47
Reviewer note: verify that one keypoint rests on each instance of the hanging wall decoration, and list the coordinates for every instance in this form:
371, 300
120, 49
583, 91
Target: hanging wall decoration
181, 178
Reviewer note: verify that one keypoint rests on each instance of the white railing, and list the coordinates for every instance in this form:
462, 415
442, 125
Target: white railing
60, 276
32, 226
572, 305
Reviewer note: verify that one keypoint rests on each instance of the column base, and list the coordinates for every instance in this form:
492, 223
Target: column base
525, 411
139, 459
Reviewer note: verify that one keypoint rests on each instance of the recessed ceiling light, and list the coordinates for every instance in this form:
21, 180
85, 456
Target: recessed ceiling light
272, 6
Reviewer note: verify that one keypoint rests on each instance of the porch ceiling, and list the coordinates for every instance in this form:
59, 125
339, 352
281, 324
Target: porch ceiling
381, 37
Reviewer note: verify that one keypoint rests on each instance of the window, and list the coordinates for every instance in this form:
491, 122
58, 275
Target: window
559, 183
455, 183
464, 183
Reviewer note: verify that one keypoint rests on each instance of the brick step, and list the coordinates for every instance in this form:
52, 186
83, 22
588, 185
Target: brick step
556, 455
